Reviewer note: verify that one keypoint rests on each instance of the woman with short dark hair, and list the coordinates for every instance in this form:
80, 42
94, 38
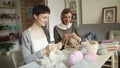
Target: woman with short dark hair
35, 40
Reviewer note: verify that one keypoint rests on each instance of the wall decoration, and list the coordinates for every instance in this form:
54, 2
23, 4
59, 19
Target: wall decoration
109, 14
30, 12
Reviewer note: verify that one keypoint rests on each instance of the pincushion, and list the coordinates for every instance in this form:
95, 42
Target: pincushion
91, 46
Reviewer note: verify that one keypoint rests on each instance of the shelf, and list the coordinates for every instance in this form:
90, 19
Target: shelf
7, 18
6, 45
72, 0
105, 65
6, 7
9, 24
73, 9
75, 6
74, 21
8, 30
6, 42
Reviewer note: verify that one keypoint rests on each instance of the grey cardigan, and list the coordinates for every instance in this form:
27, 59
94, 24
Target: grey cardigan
26, 46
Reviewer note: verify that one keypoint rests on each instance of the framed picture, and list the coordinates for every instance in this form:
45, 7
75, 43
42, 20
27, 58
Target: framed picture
109, 14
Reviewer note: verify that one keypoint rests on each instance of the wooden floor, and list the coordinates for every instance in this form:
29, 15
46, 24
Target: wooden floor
6, 62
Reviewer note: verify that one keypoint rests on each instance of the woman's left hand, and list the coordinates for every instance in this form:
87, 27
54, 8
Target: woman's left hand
74, 35
59, 45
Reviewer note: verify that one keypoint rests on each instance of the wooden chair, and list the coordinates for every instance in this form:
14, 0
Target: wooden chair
17, 58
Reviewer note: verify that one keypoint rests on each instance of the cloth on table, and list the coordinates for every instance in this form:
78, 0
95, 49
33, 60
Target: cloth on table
108, 46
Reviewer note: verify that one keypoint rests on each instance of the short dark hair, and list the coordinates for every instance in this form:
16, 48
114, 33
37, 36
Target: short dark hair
39, 9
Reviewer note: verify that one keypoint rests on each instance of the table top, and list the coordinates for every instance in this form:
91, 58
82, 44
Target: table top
101, 60
31, 65
97, 64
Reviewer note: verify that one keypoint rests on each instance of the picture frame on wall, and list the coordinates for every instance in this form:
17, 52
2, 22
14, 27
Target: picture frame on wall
109, 14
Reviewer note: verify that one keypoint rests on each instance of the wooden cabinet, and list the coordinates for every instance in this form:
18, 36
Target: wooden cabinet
75, 6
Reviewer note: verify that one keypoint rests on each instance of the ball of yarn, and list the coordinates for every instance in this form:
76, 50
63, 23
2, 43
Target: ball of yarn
83, 64
83, 50
91, 56
74, 57
102, 51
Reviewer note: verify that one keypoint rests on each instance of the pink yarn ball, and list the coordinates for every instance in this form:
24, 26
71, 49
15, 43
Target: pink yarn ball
74, 57
91, 56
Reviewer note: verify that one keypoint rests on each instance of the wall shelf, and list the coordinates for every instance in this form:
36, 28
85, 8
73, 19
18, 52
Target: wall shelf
75, 6
9, 26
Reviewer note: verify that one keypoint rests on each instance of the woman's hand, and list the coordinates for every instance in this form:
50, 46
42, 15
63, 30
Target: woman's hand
52, 46
49, 48
55, 46
59, 45
75, 36
65, 38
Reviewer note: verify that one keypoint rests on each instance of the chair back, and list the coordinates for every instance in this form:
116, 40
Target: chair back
17, 58
115, 34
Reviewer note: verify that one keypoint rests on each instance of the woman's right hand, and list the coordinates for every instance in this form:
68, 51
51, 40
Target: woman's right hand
49, 48
64, 38
59, 45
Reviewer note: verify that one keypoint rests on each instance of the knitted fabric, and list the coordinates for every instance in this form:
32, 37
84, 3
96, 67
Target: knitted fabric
71, 43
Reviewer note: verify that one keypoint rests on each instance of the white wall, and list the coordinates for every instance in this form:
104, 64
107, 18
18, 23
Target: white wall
56, 7
92, 10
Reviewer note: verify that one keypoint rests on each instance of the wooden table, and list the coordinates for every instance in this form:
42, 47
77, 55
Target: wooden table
98, 64
102, 59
